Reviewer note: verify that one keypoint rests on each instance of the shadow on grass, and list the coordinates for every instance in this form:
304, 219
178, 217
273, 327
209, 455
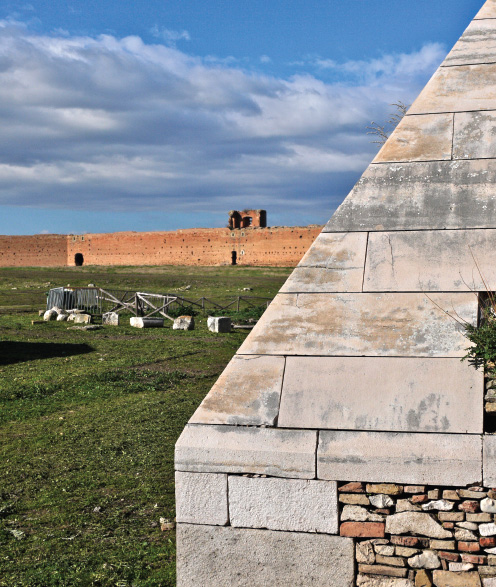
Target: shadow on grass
19, 352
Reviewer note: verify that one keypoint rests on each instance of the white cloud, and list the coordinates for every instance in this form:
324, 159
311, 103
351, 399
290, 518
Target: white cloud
114, 124
170, 36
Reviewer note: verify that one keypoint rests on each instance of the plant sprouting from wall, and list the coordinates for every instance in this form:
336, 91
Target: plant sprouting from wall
383, 132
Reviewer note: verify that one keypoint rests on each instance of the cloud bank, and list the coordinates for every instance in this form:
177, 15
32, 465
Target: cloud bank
116, 124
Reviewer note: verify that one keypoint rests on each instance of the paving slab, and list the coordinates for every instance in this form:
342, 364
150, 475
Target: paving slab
419, 138
293, 505
431, 260
444, 459
201, 498
462, 88
488, 10
237, 449
420, 195
473, 135
247, 393
384, 394
222, 557
489, 460
402, 324
476, 45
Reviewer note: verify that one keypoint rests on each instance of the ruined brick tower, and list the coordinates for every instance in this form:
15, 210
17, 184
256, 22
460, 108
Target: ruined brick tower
346, 443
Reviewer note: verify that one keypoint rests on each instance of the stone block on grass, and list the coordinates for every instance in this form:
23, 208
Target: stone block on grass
110, 319
219, 324
146, 322
184, 323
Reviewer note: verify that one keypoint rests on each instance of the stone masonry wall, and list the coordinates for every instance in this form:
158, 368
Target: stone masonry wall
275, 246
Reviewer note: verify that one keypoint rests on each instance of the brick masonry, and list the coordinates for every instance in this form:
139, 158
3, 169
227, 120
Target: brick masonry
273, 246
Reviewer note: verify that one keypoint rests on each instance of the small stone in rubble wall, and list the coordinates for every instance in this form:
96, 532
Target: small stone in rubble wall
416, 523
487, 529
356, 513
459, 567
381, 501
450, 579
383, 570
439, 505
425, 560
387, 488
405, 505
375, 581
488, 505
422, 579
464, 535
362, 529
364, 552
354, 499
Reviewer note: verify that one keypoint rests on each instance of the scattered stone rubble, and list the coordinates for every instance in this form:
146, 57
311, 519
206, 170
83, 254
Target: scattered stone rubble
419, 536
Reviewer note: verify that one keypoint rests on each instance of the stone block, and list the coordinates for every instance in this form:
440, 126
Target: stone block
235, 449
247, 393
292, 505
184, 323
50, 315
469, 128
418, 196
466, 88
224, 556
435, 459
62, 317
138, 322
404, 324
380, 393
219, 324
416, 523
201, 498
430, 260
362, 529
334, 263
378, 581
80, 318
110, 319
419, 138
489, 460
383, 570
455, 579
488, 10
476, 45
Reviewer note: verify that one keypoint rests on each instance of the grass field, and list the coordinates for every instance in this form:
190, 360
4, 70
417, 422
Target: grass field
88, 423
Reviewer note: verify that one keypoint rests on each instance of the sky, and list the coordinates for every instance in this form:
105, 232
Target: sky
164, 114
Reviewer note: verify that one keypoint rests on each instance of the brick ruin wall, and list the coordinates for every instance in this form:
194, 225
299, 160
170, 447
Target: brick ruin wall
275, 246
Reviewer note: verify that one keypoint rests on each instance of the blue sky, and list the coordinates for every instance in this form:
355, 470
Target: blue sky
156, 115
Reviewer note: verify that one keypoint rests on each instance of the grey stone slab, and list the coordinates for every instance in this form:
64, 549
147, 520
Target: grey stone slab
400, 324
437, 260
227, 557
396, 457
380, 393
488, 10
462, 88
474, 136
476, 45
419, 138
236, 449
489, 460
293, 505
201, 498
334, 262
247, 393
409, 196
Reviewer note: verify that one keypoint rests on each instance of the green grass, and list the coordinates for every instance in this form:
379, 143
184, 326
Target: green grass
88, 423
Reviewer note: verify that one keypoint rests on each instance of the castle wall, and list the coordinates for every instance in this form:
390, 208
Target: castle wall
42, 250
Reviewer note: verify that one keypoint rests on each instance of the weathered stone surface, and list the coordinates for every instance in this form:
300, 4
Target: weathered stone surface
395, 394
224, 556
458, 567
184, 323
234, 449
201, 498
441, 505
292, 505
489, 460
419, 138
354, 499
377, 581
80, 318
465, 535
393, 561
239, 399
444, 459
62, 317
442, 544
138, 322
416, 523
219, 323
385, 550
427, 559
430, 260
404, 324
489, 582
476, 45
110, 319
405, 505
386, 488
364, 552
458, 89
382, 570
357, 513
381, 501
488, 10
488, 505
422, 579
333, 263
410, 196
450, 579
487, 529
473, 136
